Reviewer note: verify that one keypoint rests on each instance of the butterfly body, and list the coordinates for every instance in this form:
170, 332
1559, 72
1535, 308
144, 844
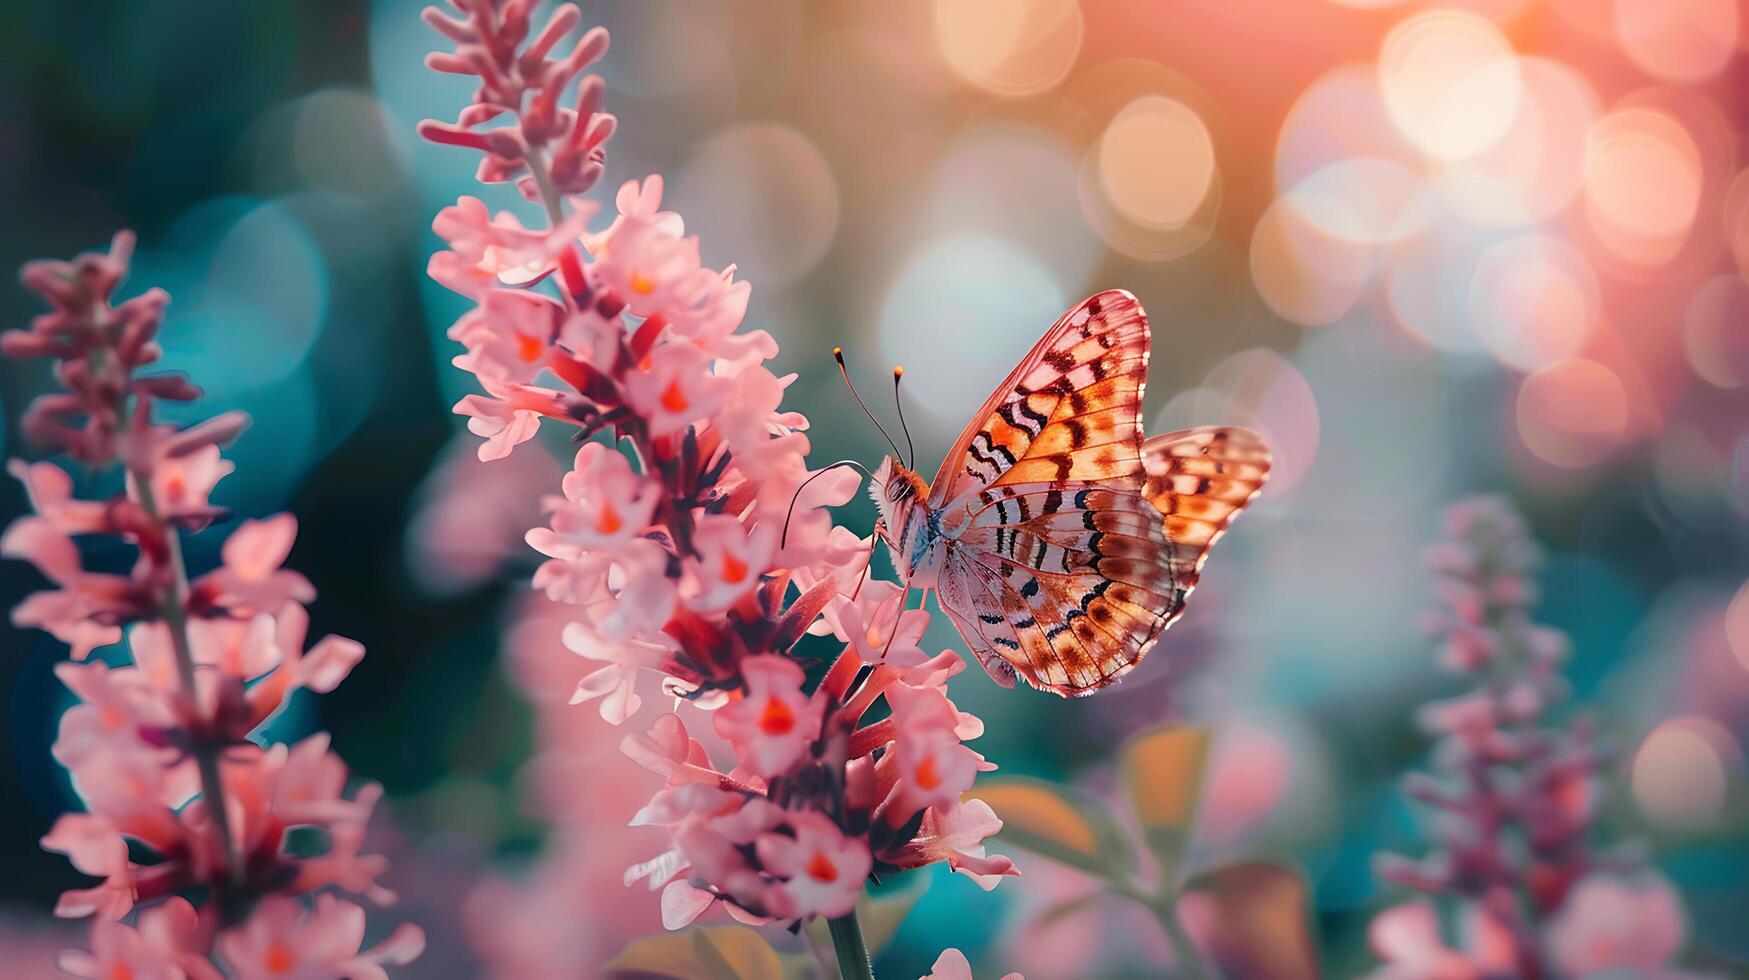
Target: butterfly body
1058, 540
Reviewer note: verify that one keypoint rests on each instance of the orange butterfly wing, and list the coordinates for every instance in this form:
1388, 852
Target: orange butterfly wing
1058, 565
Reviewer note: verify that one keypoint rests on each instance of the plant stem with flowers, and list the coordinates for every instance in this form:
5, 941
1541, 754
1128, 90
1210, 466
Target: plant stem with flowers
695, 542
180, 801
1516, 794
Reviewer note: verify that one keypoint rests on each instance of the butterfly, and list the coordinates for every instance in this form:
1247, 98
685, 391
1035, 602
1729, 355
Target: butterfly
1058, 539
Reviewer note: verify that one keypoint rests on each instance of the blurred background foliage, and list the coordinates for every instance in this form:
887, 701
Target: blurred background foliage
1427, 249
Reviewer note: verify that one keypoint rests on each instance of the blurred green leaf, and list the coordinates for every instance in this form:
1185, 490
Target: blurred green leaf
1058, 823
1163, 769
1252, 919
715, 953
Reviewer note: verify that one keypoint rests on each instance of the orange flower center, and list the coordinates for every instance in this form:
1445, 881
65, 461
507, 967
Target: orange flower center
529, 348
175, 488
608, 521
821, 868
673, 399
927, 777
279, 959
777, 718
120, 971
642, 285
734, 570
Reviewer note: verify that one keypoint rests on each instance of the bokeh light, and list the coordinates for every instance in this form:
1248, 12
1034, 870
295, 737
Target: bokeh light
1678, 40
1538, 165
1682, 772
1451, 82
1340, 117
1009, 47
1020, 184
960, 314
1533, 300
1306, 274
1715, 331
764, 194
1642, 184
1156, 162
1572, 413
1737, 625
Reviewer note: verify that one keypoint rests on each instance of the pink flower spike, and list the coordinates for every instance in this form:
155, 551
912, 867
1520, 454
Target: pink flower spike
774, 722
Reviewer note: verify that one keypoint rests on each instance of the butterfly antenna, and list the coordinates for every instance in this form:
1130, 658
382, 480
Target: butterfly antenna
911, 458
783, 539
838, 355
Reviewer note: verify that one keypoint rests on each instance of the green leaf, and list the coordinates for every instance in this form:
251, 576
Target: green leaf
715, 953
1058, 823
1163, 769
1254, 918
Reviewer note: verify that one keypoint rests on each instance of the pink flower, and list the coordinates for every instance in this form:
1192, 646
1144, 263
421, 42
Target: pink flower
181, 484
957, 837
1617, 923
507, 415
774, 722
284, 941
251, 580
1406, 938
875, 627
50, 490
953, 965
605, 503
731, 560
825, 870
933, 767
508, 336
674, 387
167, 945
486, 250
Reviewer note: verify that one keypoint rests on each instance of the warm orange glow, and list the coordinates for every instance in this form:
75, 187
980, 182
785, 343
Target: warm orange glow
1642, 184
1572, 413
1010, 47
1678, 40
1450, 82
1156, 162
1306, 275
1681, 773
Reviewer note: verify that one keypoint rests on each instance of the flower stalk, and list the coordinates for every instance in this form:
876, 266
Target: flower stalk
848, 945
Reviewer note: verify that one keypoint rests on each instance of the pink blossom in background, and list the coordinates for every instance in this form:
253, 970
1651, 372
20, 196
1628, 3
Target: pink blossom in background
953, 965
181, 798
1516, 794
675, 542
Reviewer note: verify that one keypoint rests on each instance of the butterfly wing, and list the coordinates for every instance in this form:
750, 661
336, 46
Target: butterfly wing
1199, 480
1060, 567
1068, 410
1056, 566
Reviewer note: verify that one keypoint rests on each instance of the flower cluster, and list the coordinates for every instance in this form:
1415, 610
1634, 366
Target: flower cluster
179, 799
695, 543
1516, 794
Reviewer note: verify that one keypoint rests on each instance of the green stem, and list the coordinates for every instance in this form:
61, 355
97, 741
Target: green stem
173, 609
853, 962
